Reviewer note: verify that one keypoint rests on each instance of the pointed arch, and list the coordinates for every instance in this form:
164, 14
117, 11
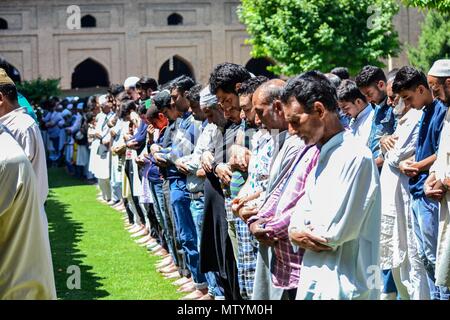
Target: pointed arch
174, 19
88, 21
3, 24
180, 67
258, 66
89, 73
11, 70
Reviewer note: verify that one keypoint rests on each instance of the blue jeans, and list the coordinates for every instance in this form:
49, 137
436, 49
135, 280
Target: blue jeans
426, 220
198, 215
179, 199
388, 282
159, 204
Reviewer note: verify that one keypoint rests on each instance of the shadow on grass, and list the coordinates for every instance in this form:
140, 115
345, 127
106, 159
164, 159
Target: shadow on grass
59, 178
65, 233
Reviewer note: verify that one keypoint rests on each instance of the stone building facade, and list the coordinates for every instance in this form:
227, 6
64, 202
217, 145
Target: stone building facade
119, 38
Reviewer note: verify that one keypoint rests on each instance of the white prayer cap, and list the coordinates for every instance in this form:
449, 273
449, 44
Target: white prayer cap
440, 69
207, 99
102, 99
130, 82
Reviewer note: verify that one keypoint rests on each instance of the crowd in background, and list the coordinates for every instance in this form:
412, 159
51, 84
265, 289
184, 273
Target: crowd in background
250, 188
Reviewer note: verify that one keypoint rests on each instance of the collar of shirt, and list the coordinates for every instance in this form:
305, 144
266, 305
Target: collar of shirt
186, 115
383, 104
330, 144
430, 106
364, 113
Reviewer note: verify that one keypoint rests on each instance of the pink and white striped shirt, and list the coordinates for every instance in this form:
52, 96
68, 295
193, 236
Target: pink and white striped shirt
278, 210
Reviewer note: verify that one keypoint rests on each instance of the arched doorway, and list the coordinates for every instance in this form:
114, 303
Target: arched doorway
88, 74
258, 66
3, 24
12, 71
174, 19
88, 21
173, 68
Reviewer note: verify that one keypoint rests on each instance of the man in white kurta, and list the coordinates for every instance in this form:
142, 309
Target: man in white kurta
398, 244
342, 204
441, 170
26, 270
337, 221
100, 164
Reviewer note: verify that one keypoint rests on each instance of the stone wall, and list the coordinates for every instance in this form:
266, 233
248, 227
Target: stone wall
132, 37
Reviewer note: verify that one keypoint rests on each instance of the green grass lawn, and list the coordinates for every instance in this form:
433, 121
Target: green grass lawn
90, 235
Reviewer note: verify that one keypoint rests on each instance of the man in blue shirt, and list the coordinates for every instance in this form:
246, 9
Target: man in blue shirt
372, 83
412, 86
183, 138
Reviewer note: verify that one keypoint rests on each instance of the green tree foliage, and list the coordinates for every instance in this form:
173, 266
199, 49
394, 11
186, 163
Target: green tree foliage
303, 35
434, 41
440, 5
39, 89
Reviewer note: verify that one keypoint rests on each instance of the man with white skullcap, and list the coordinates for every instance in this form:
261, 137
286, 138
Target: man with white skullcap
130, 87
438, 183
99, 163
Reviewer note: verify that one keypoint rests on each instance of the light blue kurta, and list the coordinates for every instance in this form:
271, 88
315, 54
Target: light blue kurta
343, 205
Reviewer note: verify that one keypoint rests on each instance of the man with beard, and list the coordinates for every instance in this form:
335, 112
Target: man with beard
438, 182
337, 221
217, 255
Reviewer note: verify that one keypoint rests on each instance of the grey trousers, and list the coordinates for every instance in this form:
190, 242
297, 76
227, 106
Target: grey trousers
262, 287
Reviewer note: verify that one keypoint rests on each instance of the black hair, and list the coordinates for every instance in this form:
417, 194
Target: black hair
348, 91
127, 106
115, 89
391, 75
89, 116
194, 93
146, 83
226, 75
341, 72
409, 78
182, 83
249, 86
142, 109
91, 102
9, 90
309, 88
334, 79
370, 76
162, 99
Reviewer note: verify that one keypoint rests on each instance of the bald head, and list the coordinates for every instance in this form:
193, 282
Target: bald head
267, 104
270, 90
